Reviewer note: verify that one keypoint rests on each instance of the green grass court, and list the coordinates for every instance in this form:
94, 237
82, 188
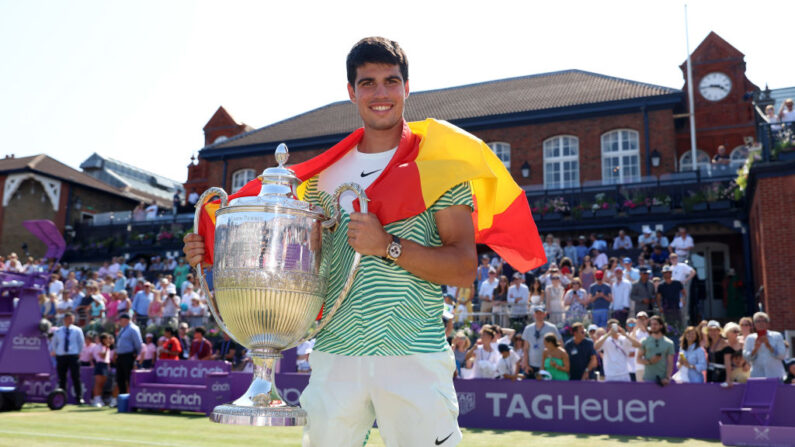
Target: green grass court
75, 426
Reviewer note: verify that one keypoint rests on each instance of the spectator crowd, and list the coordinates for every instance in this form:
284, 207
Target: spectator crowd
619, 311
121, 316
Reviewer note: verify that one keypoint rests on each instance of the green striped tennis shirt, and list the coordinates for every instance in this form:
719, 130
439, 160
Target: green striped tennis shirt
388, 310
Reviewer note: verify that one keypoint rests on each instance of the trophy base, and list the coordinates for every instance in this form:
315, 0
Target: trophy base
259, 416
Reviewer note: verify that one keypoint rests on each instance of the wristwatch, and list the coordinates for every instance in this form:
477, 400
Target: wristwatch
394, 249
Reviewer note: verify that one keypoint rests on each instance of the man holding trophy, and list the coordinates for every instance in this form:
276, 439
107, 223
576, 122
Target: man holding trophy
432, 191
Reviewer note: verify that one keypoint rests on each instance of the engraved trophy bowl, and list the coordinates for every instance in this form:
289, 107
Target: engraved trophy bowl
271, 262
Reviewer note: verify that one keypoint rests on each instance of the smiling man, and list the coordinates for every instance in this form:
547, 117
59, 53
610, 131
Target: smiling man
384, 353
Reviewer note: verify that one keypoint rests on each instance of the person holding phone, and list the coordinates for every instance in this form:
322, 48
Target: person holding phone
657, 353
765, 350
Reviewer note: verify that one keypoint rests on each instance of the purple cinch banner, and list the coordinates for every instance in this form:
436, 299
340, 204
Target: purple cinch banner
633, 409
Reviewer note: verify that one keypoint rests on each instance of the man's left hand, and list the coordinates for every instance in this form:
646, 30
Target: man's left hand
366, 235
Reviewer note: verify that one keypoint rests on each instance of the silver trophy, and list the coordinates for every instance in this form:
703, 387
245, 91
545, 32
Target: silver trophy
270, 270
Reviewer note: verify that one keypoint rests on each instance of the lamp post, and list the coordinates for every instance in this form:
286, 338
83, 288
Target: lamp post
655, 158
526, 170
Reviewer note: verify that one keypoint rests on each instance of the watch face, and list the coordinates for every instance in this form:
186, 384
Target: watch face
715, 86
395, 250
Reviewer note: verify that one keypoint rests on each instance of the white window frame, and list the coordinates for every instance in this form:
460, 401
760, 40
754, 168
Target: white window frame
503, 151
624, 136
549, 145
241, 177
704, 161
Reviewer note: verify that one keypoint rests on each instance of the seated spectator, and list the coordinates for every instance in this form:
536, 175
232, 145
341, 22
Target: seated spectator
598, 242
508, 366
659, 257
682, 244
661, 239
616, 345
765, 349
692, 360
622, 241
741, 370
555, 359
200, 348
227, 350
582, 355
647, 238
172, 347
721, 158
534, 334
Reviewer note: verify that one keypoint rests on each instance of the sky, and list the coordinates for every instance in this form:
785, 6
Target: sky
137, 81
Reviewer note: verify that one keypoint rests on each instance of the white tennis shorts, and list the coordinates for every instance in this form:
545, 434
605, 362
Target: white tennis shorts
412, 397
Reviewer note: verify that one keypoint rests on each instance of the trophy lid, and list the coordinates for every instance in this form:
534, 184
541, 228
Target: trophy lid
279, 186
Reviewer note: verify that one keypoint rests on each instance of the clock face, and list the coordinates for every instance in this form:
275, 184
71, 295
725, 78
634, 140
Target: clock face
715, 86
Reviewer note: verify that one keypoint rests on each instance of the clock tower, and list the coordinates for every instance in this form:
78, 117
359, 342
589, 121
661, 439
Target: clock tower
721, 94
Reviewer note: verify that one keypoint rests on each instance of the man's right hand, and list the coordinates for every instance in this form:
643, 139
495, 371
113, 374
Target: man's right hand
193, 249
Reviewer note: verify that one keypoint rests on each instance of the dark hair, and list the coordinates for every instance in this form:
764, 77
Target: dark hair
683, 341
660, 320
576, 327
170, 330
550, 338
200, 330
489, 331
378, 50
502, 347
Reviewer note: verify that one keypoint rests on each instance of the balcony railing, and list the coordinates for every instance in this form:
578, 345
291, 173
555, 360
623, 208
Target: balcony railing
778, 141
708, 188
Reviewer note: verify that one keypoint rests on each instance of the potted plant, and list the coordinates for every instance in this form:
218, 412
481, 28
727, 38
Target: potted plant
556, 209
604, 206
661, 203
695, 201
635, 205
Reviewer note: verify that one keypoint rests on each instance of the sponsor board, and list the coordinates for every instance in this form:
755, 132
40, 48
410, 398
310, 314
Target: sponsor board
636, 409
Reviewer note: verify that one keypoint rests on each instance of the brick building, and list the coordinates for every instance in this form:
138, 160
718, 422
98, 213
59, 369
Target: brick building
40, 187
586, 138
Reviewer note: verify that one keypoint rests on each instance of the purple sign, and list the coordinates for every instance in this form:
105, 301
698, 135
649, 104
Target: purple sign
181, 385
635, 409
38, 386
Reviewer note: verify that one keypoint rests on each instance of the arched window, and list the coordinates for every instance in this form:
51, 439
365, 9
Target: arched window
686, 160
620, 156
503, 152
241, 177
561, 162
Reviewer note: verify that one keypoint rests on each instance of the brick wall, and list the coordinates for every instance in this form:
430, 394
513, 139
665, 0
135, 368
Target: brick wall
527, 142
773, 247
526, 145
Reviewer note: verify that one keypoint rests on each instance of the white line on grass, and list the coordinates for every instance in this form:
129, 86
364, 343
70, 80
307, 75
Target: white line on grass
87, 438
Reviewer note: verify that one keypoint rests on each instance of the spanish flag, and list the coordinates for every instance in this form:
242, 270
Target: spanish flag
432, 157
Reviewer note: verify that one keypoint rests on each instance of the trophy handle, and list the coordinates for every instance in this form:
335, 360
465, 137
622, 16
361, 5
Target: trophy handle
334, 219
199, 273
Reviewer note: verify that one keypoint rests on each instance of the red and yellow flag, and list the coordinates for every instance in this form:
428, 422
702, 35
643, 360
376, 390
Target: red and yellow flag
432, 157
